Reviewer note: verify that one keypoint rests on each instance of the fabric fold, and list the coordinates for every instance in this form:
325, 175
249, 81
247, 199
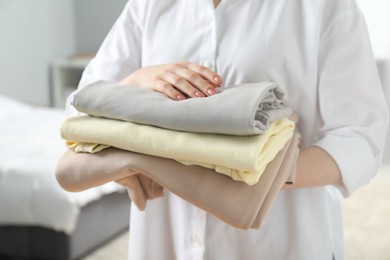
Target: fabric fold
233, 202
141, 188
285, 175
243, 158
244, 109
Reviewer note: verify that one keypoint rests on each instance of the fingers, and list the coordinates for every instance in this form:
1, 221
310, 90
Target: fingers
189, 83
200, 87
205, 72
190, 79
177, 81
170, 91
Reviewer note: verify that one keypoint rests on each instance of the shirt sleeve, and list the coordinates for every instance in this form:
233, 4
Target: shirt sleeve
118, 56
354, 116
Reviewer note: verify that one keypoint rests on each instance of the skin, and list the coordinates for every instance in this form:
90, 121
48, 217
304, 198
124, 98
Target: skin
177, 81
216, 3
315, 167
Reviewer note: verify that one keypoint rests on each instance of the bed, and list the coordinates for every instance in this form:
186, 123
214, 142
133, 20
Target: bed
39, 220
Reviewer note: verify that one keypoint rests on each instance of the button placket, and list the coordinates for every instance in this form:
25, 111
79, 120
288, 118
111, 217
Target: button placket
198, 227
209, 43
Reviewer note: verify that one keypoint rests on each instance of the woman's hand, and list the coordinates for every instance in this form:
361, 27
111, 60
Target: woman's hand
177, 81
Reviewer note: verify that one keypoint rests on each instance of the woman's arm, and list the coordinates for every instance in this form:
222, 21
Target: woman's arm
315, 167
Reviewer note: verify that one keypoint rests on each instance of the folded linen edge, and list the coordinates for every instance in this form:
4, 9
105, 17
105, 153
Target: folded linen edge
248, 177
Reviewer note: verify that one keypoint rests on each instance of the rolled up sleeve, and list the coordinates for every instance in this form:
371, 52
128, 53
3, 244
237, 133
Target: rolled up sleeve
354, 115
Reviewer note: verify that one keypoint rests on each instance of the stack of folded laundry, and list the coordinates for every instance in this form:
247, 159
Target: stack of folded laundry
228, 154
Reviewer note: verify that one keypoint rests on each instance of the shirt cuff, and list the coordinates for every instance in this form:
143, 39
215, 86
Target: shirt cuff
355, 159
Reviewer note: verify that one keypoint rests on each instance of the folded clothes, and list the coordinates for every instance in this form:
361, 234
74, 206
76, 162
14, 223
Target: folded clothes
244, 109
285, 175
233, 202
243, 158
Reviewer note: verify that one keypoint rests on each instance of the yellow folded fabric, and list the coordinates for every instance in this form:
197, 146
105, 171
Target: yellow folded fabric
243, 158
86, 147
272, 141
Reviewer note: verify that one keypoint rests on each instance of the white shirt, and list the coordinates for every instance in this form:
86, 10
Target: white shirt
318, 52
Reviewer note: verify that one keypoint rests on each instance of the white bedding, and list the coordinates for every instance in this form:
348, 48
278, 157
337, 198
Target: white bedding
30, 146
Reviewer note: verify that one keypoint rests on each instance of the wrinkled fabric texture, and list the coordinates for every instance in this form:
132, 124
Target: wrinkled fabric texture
225, 155
233, 202
255, 106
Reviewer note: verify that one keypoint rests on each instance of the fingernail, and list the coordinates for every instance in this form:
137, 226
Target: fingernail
180, 97
211, 91
199, 94
217, 79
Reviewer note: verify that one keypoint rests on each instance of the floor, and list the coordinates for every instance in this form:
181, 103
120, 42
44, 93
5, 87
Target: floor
366, 218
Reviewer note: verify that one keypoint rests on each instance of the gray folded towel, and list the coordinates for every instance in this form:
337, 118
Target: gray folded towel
244, 109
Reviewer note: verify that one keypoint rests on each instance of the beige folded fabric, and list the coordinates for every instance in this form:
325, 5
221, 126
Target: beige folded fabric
141, 188
243, 158
233, 202
285, 175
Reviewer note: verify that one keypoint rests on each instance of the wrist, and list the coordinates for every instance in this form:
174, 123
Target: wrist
128, 81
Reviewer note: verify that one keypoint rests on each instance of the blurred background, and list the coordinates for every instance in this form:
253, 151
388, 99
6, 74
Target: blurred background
45, 45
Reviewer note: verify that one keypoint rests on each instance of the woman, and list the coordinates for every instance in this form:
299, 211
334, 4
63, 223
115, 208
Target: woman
318, 52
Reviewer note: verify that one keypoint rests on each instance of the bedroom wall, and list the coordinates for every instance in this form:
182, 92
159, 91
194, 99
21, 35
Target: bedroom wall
32, 34
94, 18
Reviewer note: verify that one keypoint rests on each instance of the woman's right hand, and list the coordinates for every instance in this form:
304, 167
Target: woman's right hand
177, 81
